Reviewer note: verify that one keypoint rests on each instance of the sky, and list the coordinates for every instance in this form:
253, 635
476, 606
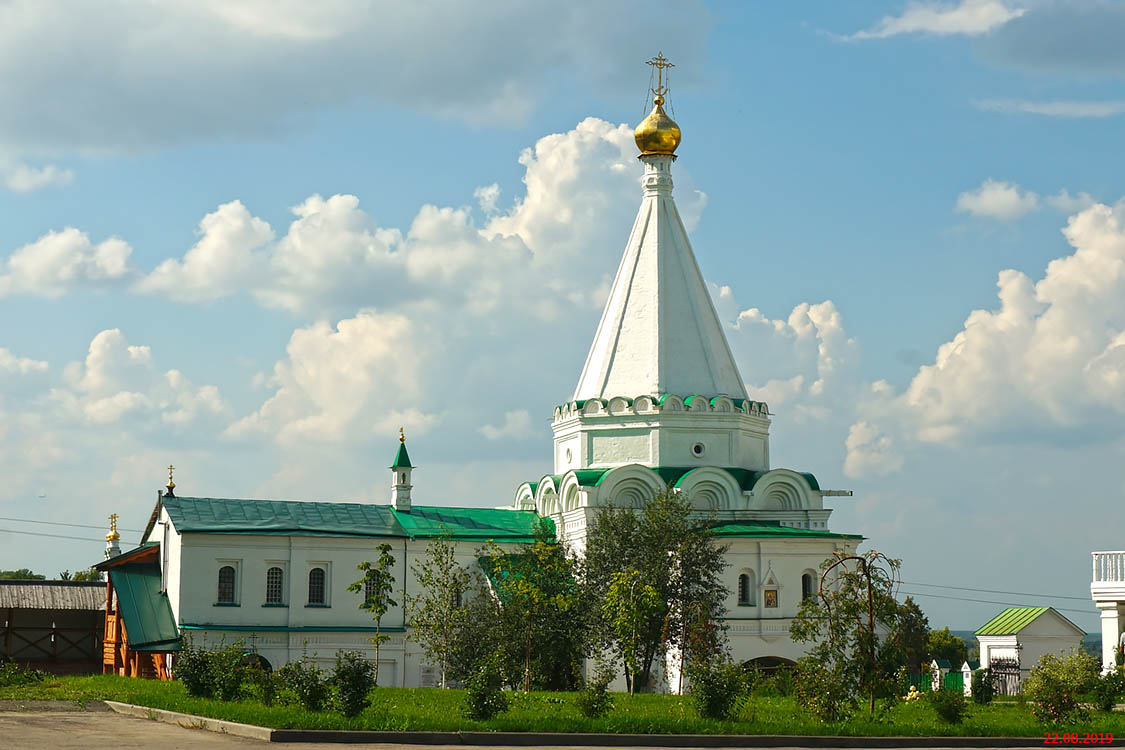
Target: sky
253, 239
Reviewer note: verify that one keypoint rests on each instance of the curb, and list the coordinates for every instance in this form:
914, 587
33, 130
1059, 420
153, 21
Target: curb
190, 721
558, 739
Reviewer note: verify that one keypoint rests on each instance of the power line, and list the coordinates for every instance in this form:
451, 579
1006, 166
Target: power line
993, 601
53, 536
60, 523
994, 591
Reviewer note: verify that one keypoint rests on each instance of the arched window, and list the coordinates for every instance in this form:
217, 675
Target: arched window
275, 580
455, 598
316, 586
746, 587
226, 585
807, 591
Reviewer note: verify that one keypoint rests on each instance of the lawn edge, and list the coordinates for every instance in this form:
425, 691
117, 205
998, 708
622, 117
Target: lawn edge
538, 739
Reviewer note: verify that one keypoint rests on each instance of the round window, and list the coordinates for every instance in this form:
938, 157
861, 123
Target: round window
698, 449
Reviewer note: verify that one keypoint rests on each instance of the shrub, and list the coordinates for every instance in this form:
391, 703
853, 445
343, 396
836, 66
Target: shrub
984, 689
484, 694
717, 687
1105, 690
823, 692
265, 683
594, 700
227, 670
307, 683
353, 677
192, 666
950, 705
11, 675
1055, 684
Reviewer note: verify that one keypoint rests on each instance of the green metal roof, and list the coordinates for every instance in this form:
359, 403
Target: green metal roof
590, 477
144, 608
774, 529
402, 458
470, 523
1011, 621
105, 564
281, 517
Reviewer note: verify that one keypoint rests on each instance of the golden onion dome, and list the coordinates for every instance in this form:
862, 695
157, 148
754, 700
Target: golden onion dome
657, 133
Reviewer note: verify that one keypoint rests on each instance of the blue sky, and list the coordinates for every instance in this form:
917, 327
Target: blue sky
857, 176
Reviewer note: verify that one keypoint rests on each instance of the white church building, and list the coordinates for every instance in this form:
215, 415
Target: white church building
660, 403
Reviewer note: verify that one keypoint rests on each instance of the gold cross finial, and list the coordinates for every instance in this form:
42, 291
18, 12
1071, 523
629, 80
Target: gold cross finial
171, 485
401, 435
112, 535
660, 63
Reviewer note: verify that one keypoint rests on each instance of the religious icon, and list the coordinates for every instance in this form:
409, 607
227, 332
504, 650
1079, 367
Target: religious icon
770, 597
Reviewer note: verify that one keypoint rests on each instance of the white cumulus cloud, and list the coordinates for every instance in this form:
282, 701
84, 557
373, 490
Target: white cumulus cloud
967, 17
59, 261
997, 199
517, 424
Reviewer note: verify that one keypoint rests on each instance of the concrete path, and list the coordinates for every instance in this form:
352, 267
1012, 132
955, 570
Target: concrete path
83, 730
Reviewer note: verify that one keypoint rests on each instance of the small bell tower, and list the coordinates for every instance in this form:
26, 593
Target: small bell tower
400, 476
112, 539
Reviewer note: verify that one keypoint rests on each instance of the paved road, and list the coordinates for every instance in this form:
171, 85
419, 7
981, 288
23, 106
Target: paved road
76, 730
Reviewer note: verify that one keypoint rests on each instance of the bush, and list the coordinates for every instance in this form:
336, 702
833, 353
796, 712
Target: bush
192, 666
984, 689
950, 705
307, 683
227, 671
265, 683
717, 687
1106, 689
822, 692
11, 675
1055, 684
594, 700
354, 677
484, 694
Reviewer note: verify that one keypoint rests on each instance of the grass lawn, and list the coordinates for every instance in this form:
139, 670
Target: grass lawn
441, 710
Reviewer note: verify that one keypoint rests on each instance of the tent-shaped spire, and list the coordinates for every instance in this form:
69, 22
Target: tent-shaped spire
402, 458
659, 333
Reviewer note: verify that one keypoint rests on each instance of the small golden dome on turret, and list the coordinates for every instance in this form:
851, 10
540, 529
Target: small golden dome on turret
657, 133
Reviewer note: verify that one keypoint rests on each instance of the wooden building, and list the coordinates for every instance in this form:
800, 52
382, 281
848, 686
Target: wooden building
140, 632
55, 626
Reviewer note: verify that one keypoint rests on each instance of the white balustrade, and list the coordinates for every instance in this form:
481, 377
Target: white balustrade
1109, 566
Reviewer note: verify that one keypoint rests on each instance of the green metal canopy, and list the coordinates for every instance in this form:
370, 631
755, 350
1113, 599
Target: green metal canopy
144, 608
1011, 621
774, 529
281, 517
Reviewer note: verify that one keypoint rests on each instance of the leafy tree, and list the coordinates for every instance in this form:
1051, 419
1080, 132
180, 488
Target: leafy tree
536, 591
87, 575
24, 574
672, 548
1055, 685
375, 587
856, 600
476, 635
913, 631
629, 605
942, 644
435, 611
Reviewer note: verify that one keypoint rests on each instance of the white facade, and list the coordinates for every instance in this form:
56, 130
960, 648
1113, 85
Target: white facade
1108, 592
1049, 633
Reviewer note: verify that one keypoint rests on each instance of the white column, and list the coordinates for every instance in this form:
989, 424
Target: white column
1111, 633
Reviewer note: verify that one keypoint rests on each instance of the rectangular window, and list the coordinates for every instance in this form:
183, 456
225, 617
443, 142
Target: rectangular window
275, 585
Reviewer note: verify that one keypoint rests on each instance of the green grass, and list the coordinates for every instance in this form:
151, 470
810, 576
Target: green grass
441, 710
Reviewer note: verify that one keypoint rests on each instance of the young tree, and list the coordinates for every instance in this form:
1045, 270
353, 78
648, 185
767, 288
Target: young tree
536, 591
856, 600
912, 633
941, 644
375, 587
629, 605
672, 547
434, 611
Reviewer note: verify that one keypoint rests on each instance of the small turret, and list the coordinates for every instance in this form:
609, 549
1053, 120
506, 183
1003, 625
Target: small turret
112, 539
400, 476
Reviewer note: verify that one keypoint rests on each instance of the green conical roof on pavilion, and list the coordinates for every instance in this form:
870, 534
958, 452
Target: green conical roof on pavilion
402, 458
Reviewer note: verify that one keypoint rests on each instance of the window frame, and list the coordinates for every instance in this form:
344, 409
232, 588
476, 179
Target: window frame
325, 588
235, 588
281, 587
